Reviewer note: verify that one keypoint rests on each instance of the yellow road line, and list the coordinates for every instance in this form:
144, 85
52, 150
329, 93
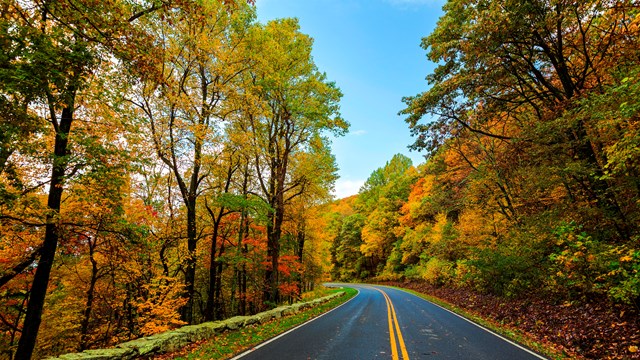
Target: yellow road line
393, 320
392, 336
403, 348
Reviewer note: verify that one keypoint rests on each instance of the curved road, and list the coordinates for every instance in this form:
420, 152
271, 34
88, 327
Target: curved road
386, 323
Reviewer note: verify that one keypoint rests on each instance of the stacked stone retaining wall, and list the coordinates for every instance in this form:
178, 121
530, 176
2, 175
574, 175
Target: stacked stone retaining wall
177, 339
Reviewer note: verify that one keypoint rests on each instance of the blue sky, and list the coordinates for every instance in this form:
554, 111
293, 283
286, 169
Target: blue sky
371, 49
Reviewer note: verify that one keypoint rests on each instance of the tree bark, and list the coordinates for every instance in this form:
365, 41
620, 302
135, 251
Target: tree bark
190, 272
300, 238
40, 283
88, 308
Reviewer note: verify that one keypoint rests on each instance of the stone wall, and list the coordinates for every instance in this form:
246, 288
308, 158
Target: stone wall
179, 338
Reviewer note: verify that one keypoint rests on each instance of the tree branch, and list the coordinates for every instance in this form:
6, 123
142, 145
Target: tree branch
20, 267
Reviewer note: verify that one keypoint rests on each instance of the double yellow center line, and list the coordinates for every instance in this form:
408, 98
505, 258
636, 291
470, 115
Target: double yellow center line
393, 323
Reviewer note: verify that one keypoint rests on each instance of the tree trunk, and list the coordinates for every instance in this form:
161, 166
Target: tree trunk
604, 197
218, 310
243, 286
209, 313
190, 273
241, 272
52, 233
274, 231
86, 314
300, 251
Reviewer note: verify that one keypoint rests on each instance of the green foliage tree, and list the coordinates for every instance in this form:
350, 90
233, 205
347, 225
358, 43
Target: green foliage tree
349, 263
288, 106
380, 200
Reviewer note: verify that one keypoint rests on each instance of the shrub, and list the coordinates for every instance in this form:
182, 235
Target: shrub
581, 265
508, 269
438, 272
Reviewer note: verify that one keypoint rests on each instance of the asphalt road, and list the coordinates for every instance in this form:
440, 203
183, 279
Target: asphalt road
385, 323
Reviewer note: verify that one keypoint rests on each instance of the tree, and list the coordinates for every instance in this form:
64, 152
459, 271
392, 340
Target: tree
295, 104
514, 72
349, 262
55, 49
380, 200
105, 214
318, 166
224, 203
185, 103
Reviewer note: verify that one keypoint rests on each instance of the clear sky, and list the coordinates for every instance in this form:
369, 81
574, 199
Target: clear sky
371, 49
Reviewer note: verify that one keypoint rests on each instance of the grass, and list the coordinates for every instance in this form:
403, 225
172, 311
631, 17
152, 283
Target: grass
509, 333
230, 343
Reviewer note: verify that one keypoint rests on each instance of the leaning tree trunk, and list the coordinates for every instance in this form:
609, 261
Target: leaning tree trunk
40, 283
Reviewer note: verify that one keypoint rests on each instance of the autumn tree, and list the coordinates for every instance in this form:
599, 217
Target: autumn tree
185, 102
329, 222
288, 105
54, 49
227, 195
514, 72
318, 166
529, 185
130, 132
517, 138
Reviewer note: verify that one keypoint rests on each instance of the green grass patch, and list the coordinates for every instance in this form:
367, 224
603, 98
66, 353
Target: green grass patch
508, 332
229, 343
318, 292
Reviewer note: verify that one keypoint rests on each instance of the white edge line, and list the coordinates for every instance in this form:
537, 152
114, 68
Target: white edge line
476, 324
241, 355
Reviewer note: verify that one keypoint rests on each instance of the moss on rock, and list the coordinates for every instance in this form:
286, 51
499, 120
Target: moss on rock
176, 339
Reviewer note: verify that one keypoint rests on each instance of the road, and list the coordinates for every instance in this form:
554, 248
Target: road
386, 323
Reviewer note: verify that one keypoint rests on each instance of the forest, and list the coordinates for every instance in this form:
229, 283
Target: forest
160, 164
531, 187
168, 162
532, 178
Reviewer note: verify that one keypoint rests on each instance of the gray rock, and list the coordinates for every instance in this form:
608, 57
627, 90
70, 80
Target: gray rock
235, 322
102, 354
142, 346
264, 316
251, 320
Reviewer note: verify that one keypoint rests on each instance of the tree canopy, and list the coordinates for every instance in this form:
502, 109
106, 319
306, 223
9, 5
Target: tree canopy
530, 184
159, 165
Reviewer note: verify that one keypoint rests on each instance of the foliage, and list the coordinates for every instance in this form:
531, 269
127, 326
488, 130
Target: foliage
530, 185
583, 265
346, 255
166, 162
286, 108
134, 191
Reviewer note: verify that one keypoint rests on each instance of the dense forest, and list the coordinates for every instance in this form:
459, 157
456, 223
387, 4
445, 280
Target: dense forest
532, 181
160, 162
168, 162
